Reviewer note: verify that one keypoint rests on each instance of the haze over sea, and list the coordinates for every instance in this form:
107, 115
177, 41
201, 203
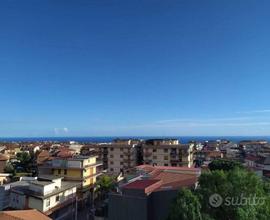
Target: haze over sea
183, 139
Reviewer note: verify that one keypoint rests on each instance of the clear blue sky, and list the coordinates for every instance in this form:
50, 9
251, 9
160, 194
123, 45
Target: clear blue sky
129, 67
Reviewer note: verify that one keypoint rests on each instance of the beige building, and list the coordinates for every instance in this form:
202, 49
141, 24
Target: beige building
167, 153
3, 162
119, 156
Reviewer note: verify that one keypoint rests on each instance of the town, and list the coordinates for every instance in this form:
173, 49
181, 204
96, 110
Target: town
124, 179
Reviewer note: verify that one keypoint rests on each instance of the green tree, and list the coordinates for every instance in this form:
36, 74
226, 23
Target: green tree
23, 157
233, 185
9, 169
226, 165
185, 207
25, 161
104, 185
244, 196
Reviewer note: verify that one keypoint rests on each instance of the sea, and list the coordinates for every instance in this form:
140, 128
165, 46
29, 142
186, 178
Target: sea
107, 139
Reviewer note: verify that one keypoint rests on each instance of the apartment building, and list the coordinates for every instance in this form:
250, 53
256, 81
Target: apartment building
119, 156
3, 161
48, 194
80, 169
167, 152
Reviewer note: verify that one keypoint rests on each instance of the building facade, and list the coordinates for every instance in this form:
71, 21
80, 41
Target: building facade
167, 153
119, 156
80, 169
50, 195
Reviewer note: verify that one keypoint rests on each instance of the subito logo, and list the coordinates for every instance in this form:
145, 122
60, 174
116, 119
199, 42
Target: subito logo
215, 200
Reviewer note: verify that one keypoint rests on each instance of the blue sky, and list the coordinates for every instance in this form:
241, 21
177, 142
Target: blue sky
155, 67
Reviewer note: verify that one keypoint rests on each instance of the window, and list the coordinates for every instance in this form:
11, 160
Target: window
165, 164
165, 150
154, 150
121, 149
111, 156
111, 162
154, 157
65, 172
57, 198
47, 202
121, 163
111, 149
59, 171
111, 169
165, 157
121, 156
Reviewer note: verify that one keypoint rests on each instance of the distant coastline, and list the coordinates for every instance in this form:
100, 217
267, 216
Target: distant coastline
182, 139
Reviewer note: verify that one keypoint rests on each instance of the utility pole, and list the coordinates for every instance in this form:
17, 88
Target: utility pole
76, 207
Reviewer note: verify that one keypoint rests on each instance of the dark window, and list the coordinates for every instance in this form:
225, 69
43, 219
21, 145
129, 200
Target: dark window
154, 150
165, 150
57, 198
121, 156
59, 171
65, 172
165, 164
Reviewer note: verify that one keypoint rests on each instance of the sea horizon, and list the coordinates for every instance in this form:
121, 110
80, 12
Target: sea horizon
108, 139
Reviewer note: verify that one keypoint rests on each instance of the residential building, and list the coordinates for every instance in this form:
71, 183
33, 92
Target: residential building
23, 215
48, 194
3, 162
204, 157
80, 169
4, 178
43, 156
119, 156
11, 150
5, 190
148, 196
167, 153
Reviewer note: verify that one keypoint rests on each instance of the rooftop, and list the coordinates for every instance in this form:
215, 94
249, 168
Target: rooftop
158, 178
140, 184
23, 215
27, 190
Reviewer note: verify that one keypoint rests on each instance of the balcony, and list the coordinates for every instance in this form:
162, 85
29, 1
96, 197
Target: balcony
127, 153
147, 154
146, 160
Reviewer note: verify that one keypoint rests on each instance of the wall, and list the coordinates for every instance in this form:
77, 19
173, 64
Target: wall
4, 196
160, 203
17, 201
127, 207
35, 204
63, 196
2, 165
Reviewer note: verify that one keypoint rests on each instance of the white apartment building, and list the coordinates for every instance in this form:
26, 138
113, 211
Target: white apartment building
50, 195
